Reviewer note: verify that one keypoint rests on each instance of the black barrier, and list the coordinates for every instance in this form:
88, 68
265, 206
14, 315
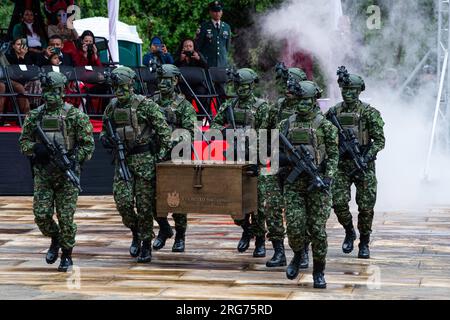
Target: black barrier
15, 170
201, 85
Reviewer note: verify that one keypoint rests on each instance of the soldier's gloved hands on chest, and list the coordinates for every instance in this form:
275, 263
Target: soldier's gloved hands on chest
284, 160
41, 155
369, 158
328, 182
106, 142
253, 170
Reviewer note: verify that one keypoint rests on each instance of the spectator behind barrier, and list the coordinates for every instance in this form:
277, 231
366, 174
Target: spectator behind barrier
19, 8
53, 6
55, 46
86, 53
158, 52
24, 104
189, 56
20, 53
31, 29
59, 27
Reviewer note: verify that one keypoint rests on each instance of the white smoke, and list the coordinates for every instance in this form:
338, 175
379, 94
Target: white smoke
310, 25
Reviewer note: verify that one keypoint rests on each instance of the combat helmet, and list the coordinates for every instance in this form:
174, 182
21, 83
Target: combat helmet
168, 71
53, 80
304, 89
348, 80
123, 76
245, 76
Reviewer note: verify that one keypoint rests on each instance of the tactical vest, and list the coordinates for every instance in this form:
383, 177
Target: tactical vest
355, 122
305, 133
283, 112
245, 118
127, 124
55, 128
170, 112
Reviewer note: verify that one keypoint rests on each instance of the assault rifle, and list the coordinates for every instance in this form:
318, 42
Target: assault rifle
303, 162
349, 144
119, 151
59, 157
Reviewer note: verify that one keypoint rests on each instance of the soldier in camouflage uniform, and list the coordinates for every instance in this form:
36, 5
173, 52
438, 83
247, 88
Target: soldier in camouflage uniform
367, 124
180, 114
307, 211
273, 209
139, 122
248, 112
66, 126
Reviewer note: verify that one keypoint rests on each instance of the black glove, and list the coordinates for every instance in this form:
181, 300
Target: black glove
41, 155
106, 142
253, 170
328, 182
284, 160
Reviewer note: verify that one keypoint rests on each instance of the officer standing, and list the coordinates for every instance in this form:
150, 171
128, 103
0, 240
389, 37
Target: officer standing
308, 209
139, 123
367, 125
214, 36
180, 114
273, 210
248, 113
70, 132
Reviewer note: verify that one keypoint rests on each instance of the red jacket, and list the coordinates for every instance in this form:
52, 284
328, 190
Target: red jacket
80, 61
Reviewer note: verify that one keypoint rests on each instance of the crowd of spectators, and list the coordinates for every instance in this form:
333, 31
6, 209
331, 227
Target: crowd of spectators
46, 40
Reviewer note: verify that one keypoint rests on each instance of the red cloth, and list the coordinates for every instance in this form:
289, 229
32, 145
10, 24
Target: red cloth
80, 61
295, 56
304, 61
53, 6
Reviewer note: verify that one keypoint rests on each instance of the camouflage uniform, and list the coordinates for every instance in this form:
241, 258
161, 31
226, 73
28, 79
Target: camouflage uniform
367, 125
51, 189
248, 113
254, 110
273, 198
141, 191
180, 114
141, 125
67, 126
307, 211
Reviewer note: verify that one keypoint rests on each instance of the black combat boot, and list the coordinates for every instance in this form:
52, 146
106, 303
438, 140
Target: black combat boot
318, 275
364, 252
66, 260
135, 247
304, 260
350, 237
260, 247
244, 243
165, 232
146, 252
178, 245
279, 258
294, 266
53, 251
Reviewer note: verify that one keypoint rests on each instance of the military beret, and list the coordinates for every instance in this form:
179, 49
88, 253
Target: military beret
215, 6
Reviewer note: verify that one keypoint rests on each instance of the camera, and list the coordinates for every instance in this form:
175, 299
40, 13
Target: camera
23, 43
188, 54
90, 49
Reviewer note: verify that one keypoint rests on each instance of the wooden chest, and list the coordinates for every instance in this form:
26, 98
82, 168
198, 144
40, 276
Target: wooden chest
206, 189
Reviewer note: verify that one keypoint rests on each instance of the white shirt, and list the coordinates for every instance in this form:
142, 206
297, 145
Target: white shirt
216, 22
34, 40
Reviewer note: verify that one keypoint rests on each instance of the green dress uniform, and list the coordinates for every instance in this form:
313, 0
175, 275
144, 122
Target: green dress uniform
214, 42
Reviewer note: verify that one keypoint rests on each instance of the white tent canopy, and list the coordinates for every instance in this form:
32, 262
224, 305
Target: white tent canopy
100, 27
